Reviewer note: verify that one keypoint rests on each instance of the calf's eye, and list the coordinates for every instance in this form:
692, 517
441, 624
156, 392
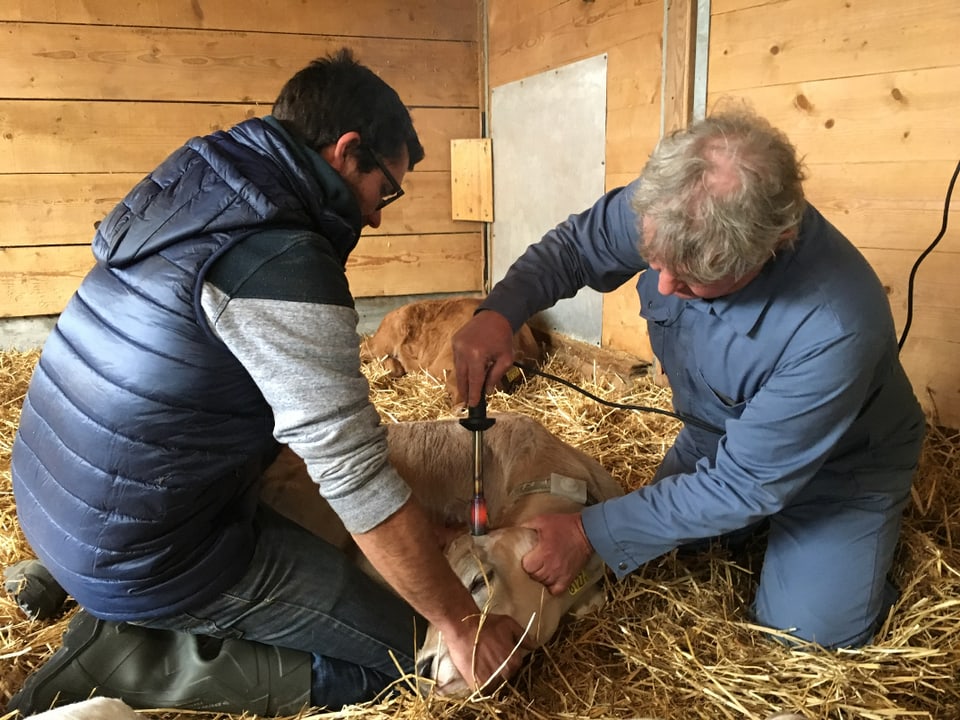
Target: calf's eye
480, 582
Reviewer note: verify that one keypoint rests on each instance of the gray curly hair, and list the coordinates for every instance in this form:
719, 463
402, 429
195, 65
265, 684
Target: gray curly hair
722, 194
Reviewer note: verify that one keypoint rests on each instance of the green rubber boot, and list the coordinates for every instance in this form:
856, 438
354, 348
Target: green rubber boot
149, 668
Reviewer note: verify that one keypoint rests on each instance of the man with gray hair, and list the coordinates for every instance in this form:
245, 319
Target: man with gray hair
780, 348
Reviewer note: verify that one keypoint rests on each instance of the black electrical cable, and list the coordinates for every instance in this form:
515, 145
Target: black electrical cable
916, 265
689, 420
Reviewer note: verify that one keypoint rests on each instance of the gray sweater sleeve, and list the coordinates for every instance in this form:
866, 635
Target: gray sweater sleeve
305, 358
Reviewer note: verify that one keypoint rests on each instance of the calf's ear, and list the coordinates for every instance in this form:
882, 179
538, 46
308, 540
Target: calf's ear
518, 540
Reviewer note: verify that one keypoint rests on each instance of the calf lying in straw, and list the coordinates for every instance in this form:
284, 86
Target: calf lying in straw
417, 336
527, 471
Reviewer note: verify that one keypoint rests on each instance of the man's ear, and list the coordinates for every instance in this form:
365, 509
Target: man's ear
336, 154
786, 239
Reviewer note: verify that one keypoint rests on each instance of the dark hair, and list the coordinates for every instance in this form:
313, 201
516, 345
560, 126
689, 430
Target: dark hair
335, 95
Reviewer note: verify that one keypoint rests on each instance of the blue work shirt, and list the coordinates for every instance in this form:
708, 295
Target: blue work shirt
798, 372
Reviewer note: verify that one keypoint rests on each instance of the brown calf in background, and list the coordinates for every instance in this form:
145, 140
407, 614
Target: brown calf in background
417, 336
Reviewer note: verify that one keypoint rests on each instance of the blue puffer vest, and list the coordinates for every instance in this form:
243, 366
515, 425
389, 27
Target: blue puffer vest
136, 463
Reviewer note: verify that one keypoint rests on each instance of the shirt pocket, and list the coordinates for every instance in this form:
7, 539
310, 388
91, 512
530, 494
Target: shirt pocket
724, 401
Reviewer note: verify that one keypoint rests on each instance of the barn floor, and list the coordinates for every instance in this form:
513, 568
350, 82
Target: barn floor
673, 642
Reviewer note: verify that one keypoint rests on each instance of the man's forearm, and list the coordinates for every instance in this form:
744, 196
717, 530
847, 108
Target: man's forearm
404, 550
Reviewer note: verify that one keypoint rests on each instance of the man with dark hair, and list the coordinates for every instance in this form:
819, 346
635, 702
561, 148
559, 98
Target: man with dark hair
779, 345
217, 324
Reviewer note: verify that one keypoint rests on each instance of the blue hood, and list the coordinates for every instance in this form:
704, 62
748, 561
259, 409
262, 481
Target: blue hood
254, 175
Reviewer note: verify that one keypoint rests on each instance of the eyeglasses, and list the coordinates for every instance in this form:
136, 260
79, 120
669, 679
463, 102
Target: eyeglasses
395, 190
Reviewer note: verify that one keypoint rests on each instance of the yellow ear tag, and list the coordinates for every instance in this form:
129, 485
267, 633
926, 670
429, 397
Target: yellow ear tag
579, 582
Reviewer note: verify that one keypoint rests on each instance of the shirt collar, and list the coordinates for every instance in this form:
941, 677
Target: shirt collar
744, 308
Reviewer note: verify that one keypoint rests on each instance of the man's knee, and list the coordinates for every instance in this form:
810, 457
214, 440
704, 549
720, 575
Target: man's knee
803, 620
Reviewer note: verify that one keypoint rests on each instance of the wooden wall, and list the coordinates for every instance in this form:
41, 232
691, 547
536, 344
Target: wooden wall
869, 92
95, 93
526, 38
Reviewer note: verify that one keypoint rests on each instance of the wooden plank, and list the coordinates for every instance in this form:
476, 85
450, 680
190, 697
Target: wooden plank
680, 44
424, 19
40, 136
40, 280
932, 345
679, 50
46, 61
936, 310
632, 134
718, 7
893, 269
40, 210
633, 104
437, 127
526, 38
423, 210
623, 328
633, 129
608, 366
887, 205
417, 264
615, 180
804, 40
898, 116
937, 385
471, 179
46, 136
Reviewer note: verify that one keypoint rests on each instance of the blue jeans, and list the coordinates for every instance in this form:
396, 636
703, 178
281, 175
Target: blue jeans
824, 575
301, 592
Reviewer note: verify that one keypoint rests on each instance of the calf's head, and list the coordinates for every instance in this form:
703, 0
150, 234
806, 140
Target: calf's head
489, 566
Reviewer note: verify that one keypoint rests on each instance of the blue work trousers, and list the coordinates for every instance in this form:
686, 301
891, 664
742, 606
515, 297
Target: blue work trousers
825, 569
301, 592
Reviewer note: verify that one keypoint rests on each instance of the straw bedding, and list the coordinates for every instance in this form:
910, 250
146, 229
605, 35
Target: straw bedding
674, 640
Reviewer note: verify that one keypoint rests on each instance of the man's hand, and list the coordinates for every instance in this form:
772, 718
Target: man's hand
404, 549
482, 353
561, 552
446, 534
490, 657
